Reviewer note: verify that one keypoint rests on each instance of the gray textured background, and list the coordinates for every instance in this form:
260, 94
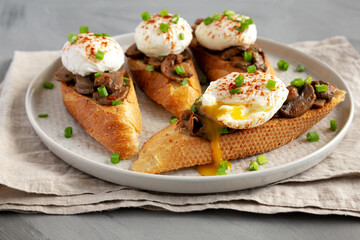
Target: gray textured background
43, 25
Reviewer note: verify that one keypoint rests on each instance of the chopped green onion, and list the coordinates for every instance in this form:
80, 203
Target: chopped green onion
224, 130
230, 17
283, 65
98, 34
244, 25
229, 12
251, 69
84, 29
312, 136
208, 20
105, 35
72, 37
181, 36
145, 16
126, 80
44, 115
100, 55
308, 80
203, 80
184, 82
321, 88
271, 84
224, 165
247, 56
175, 18
236, 90
179, 70
48, 85
254, 166
193, 108
239, 80
68, 132
333, 125
249, 21
297, 82
300, 68
98, 74
150, 68
102, 91
221, 171
164, 12
239, 29
173, 119
116, 102
261, 159
197, 100
216, 16
239, 18
115, 158
164, 27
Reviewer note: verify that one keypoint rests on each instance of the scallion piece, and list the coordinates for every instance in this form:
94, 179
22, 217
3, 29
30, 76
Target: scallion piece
43, 115
247, 56
84, 29
261, 159
249, 21
300, 68
115, 158
333, 125
164, 27
234, 91
308, 80
239, 29
321, 88
68, 132
216, 16
203, 80
105, 35
254, 166
224, 165
98, 34
224, 130
271, 84
283, 65
100, 55
164, 12
239, 80
179, 70
251, 69
184, 82
72, 37
126, 80
221, 171
230, 17
102, 91
116, 102
150, 68
208, 20
229, 12
244, 25
181, 36
145, 16
312, 136
198, 100
239, 18
297, 82
98, 74
173, 119
193, 108
175, 18
48, 85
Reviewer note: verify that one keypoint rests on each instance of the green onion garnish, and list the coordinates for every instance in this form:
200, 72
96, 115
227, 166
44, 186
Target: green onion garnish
254, 166
333, 125
197, 100
239, 18
145, 16
229, 12
261, 159
98, 74
44, 115
224, 165
175, 18
115, 158
193, 108
98, 34
249, 21
116, 102
126, 80
181, 36
179, 70
308, 80
208, 20
221, 171
239, 80
297, 82
300, 68
244, 25
203, 80
247, 56
164, 12
72, 37
150, 68
239, 29
224, 130
312, 136
68, 132
236, 90
84, 29
230, 17
271, 84
164, 27
48, 85
102, 91
251, 69
216, 16
105, 35
321, 88
173, 119
184, 82
100, 55
283, 65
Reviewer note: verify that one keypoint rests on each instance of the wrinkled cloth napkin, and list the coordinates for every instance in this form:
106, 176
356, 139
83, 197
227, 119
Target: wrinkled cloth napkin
33, 179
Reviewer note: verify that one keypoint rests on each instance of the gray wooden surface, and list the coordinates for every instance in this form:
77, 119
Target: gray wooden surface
42, 25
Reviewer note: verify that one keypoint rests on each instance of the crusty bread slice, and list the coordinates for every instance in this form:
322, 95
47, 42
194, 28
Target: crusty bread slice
214, 67
174, 97
173, 148
115, 127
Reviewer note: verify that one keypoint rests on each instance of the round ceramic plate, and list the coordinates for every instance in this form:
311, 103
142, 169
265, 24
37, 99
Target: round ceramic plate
88, 155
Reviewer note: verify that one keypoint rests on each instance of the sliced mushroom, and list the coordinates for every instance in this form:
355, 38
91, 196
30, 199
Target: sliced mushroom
257, 58
293, 93
228, 53
185, 55
113, 81
192, 122
328, 94
134, 52
319, 103
84, 85
239, 62
63, 75
156, 62
168, 68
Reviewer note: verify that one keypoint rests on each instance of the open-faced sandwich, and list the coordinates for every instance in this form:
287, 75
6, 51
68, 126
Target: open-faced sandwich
225, 43
160, 62
239, 115
98, 92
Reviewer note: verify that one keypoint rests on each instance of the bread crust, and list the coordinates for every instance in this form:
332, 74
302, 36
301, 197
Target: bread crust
173, 148
115, 127
174, 97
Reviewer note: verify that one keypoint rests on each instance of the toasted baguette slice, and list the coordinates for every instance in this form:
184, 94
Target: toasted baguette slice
214, 67
173, 148
115, 127
174, 97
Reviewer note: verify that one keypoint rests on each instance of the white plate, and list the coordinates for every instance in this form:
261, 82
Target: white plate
86, 154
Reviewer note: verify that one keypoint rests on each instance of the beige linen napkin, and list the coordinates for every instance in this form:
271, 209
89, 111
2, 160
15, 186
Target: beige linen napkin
35, 180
